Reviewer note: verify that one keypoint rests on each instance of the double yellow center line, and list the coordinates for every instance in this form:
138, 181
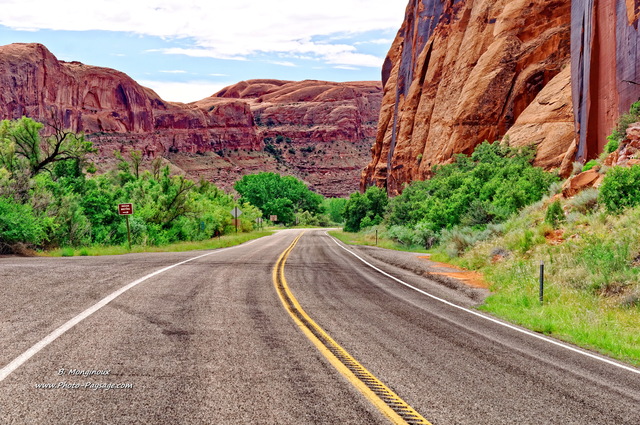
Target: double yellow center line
387, 401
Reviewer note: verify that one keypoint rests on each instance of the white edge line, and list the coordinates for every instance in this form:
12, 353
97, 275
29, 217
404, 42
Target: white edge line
491, 319
22, 358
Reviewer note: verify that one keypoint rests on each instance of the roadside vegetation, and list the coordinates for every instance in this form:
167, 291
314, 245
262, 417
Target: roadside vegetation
495, 213
52, 199
224, 241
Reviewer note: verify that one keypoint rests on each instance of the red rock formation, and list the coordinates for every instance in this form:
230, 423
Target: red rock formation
333, 122
320, 131
548, 124
605, 62
460, 72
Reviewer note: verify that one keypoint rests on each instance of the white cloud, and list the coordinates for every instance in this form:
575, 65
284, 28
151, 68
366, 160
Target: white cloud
220, 29
348, 68
355, 59
188, 91
175, 71
199, 53
376, 41
283, 63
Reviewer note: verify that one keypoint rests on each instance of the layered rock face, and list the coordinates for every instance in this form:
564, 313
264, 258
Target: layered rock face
317, 131
554, 73
461, 72
605, 61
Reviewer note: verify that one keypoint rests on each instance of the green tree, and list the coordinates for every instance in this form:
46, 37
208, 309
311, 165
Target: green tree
365, 209
278, 195
334, 208
22, 145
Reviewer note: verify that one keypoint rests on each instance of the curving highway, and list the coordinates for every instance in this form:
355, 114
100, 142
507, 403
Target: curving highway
227, 337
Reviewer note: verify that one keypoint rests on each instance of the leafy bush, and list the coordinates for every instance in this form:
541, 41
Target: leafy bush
424, 236
620, 188
589, 165
555, 214
486, 187
612, 146
365, 210
18, 223
585, 201
401, 235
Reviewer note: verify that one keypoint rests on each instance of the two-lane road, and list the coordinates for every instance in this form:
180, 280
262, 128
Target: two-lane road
210, 341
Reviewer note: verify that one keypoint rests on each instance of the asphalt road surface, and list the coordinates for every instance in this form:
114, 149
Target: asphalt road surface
209, 341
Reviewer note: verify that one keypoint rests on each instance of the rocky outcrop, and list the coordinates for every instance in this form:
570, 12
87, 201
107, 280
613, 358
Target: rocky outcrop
318, 131
460, 72
548, 124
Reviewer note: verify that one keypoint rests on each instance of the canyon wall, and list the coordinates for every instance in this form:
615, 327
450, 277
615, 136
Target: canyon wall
553, 73
318, 131
605, 61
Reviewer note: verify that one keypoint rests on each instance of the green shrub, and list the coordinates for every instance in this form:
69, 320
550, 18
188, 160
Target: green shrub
488, 186
620, 132
18, 223
555, 214
401, 234
585, 201
612, 146
589, 165
620, 188
424, 235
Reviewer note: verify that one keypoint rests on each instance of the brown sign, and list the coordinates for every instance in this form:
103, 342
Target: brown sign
125, 209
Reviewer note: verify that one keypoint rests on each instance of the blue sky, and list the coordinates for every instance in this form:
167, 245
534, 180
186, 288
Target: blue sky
188, 49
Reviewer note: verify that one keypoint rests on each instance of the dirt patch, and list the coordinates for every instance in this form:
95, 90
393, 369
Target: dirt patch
555, 237
470, 278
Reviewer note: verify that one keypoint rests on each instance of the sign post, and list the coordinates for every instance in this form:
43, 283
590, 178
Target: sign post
126, 210
259, 222
541, 292
235, 212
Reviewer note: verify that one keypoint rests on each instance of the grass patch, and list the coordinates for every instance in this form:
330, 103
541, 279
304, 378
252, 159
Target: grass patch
592, 277
222, 242
369, 239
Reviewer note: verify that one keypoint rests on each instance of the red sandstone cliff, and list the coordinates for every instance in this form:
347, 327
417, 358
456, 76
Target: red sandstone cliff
460, 72
605, 61
323, 129
553, 73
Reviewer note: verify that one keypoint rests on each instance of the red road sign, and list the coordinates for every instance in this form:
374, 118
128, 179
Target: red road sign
125, 209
